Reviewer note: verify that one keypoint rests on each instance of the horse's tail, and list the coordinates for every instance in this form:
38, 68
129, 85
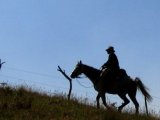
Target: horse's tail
144, 91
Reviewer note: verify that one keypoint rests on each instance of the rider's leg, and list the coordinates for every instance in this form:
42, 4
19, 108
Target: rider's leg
103, 72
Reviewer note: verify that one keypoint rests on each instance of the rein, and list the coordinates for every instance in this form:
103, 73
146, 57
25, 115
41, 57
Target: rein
81, 83
81, 77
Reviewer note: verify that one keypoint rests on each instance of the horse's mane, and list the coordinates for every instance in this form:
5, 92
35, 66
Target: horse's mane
92, 68
92, 73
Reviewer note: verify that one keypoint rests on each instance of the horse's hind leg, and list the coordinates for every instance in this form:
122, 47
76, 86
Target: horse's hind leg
97, 99
133, 98
126, 101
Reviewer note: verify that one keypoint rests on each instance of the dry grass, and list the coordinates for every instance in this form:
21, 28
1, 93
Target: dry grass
25, 104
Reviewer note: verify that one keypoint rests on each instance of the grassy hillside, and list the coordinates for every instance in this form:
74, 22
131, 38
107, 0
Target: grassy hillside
24, 104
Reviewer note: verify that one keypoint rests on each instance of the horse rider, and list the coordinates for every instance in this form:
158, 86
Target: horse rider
112, 63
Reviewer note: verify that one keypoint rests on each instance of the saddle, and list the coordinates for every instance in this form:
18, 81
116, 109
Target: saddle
120, 75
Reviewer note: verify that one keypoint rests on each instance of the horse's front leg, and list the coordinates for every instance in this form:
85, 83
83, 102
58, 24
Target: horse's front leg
97, 99
104, 100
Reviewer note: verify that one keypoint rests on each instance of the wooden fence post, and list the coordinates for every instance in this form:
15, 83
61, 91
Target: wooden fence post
70, 81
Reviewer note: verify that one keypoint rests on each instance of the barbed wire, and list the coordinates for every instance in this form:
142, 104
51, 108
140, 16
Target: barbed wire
156, 97
30, 72
35, 82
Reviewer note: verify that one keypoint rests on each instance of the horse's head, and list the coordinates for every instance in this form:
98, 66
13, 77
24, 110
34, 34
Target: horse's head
77, 71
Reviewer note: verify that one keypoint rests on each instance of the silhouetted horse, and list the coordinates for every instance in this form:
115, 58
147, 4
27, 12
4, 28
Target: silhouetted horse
112, 86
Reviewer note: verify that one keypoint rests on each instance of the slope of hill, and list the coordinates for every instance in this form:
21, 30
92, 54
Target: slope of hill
24, 104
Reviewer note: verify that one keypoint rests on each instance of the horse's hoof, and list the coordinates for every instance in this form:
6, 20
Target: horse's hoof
119, 110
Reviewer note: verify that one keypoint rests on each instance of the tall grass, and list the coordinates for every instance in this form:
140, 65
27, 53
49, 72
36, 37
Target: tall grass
25, 104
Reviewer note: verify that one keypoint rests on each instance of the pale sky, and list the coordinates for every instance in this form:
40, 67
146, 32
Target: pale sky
38, 35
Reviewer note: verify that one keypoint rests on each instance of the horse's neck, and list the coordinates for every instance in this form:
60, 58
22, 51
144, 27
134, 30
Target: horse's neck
92, 73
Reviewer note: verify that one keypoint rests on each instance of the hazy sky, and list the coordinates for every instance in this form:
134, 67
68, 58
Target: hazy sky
38, 35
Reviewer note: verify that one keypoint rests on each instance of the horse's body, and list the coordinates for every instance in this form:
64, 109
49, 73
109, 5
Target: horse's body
112, 86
